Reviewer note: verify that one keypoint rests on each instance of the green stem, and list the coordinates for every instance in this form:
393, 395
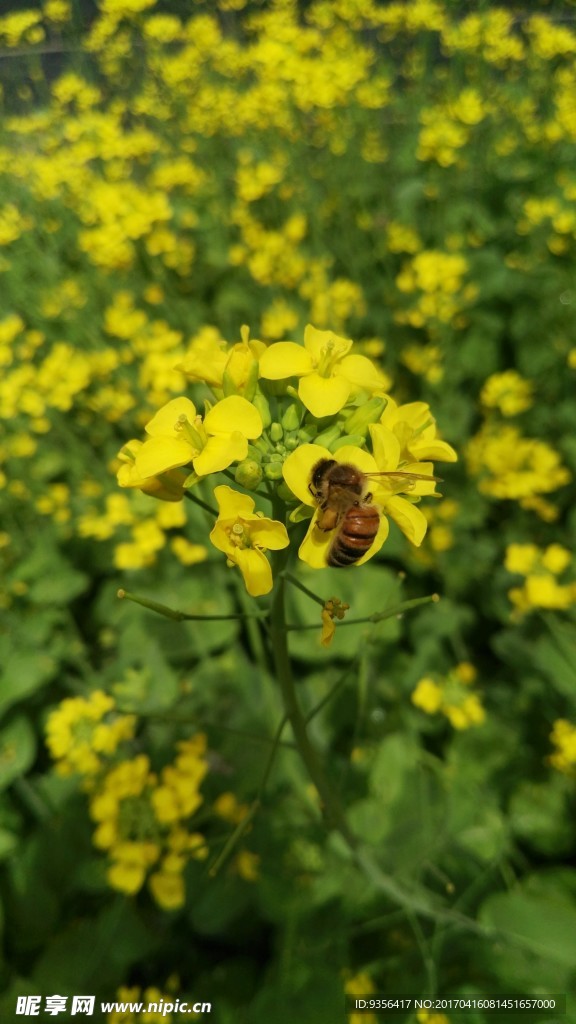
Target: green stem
172, 613
315, 769
390, 613
309, 593
240, 829
202, 504
413, 902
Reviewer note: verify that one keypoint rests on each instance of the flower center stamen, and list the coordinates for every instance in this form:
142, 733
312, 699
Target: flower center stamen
193, 434
327, 360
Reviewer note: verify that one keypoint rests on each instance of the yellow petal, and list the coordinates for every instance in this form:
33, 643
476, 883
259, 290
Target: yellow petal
357, 457
386, 447
324, 396
317, 342
408, 517
255, 569
162, 453
328, 629
268, 534
433, 449
220, 539
165, 420
297, 469
284, 359
234, 414
232, 504
315, 546
362, 373
220, 452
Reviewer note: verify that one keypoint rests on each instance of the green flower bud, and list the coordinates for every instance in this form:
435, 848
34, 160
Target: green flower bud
292, 443
369, 412
248, 474
355, 439
328, 437
276, 457
291, 418
261, 403
254, 453
306, 434
276, 432
273, 470
284, 492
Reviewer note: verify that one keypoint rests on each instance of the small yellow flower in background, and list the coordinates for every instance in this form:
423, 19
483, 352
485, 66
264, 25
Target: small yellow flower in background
451, 697
328, 374
188, 553
427, 696
513, 467
540, 567
425, 1017
246, 864
244, 536
82, 731
508, 392
563, 736
360, 984
226, 806
141, 819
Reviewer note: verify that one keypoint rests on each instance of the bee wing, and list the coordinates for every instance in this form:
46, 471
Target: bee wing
404, 474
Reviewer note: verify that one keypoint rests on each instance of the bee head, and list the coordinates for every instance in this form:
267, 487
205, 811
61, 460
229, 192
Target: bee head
320, 470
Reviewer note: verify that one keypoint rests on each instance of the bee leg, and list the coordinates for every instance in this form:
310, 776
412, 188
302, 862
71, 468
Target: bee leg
368, 497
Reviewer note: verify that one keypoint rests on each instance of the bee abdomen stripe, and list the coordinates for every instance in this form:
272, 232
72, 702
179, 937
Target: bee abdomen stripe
340, 557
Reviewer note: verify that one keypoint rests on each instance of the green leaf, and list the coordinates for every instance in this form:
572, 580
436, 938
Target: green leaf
546, 928
22, 674
17, 750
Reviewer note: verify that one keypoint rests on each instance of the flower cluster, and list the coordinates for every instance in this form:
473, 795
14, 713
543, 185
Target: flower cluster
84, 732
452, 697
273, 413
511, 466
142, 821
563, 736
144, 818
540, 568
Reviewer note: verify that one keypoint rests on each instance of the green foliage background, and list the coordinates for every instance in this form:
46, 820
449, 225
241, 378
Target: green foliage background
477, 821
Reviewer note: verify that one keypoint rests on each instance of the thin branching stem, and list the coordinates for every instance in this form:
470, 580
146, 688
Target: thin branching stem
177, 616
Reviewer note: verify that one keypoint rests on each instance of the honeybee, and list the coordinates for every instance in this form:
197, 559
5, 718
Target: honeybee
341, 491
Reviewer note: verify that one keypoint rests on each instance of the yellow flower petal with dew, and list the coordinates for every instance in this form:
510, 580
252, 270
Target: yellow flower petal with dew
165, 420
324, 396
220, 452
159, 454
255, 569
234, 414
285, 359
